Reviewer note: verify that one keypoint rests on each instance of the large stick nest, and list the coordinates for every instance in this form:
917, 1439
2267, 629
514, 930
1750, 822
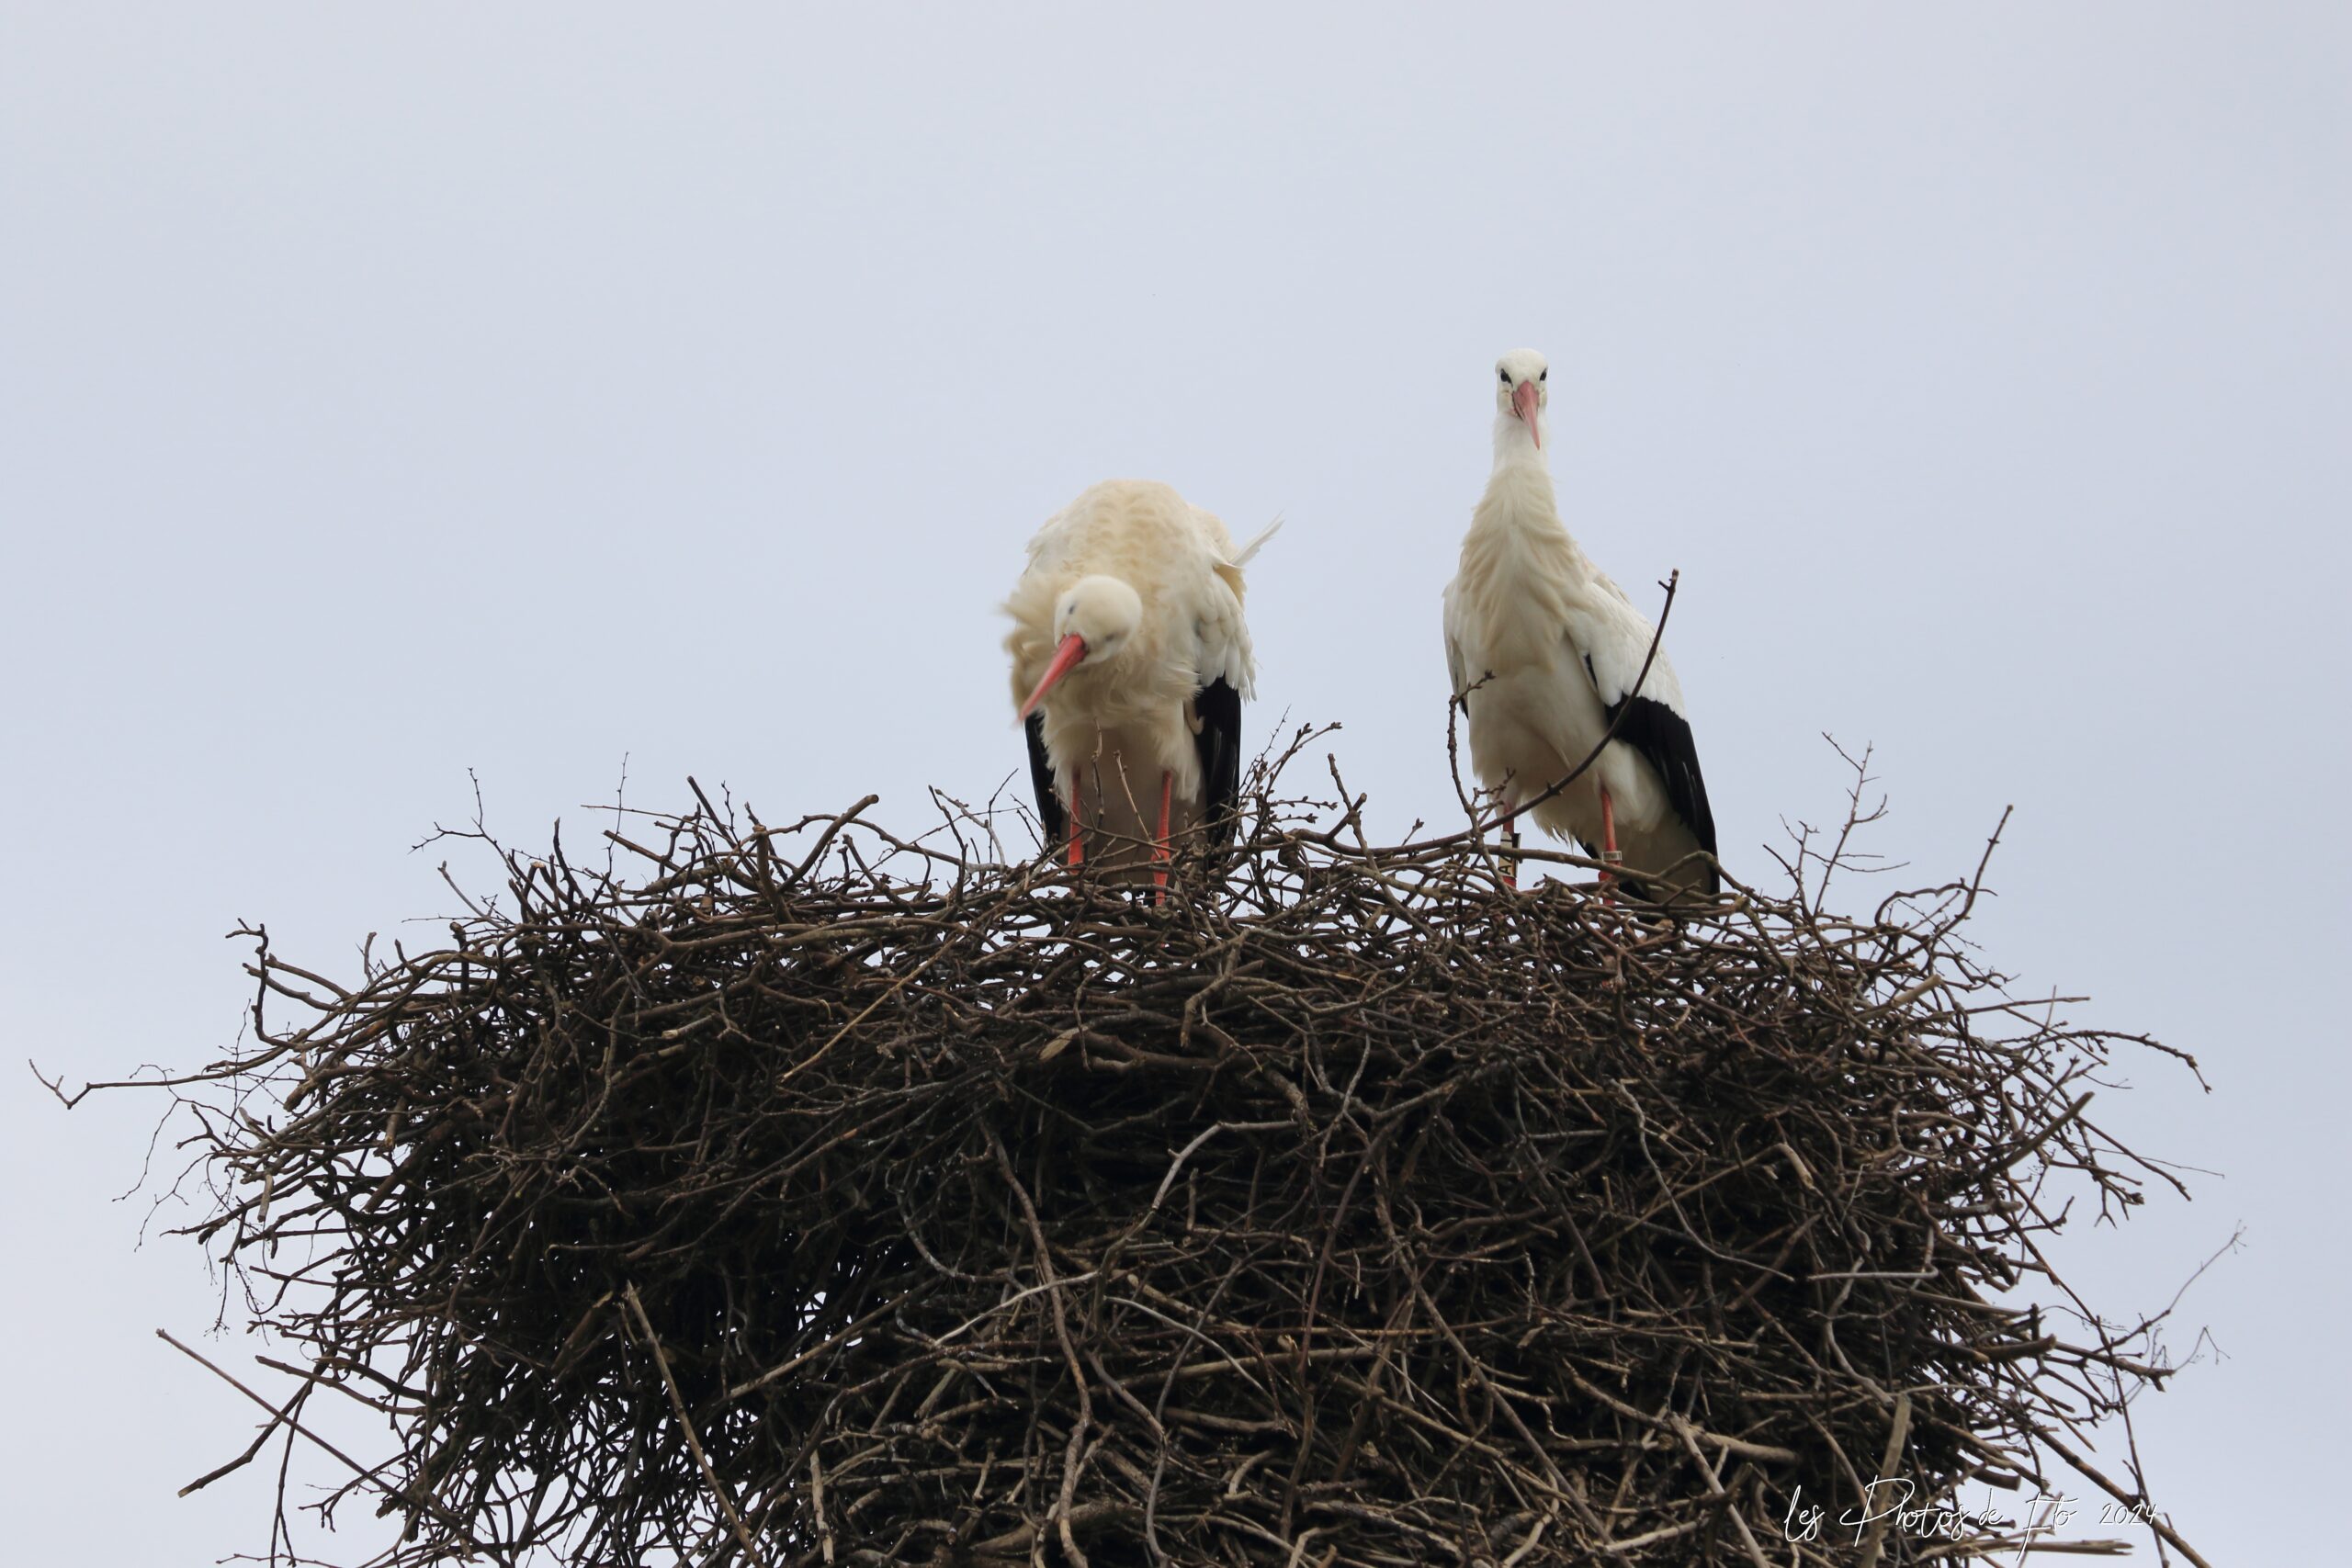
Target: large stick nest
806, 1194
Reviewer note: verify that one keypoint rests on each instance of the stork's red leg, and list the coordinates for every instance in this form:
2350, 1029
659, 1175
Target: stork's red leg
1159, 851
1609, 856
1510, 855
1076, 856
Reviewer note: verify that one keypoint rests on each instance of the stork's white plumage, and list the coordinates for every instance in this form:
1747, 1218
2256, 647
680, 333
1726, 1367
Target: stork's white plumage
1548, 649
1130, 662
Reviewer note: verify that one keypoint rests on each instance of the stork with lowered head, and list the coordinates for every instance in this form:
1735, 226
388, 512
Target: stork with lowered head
1130, 664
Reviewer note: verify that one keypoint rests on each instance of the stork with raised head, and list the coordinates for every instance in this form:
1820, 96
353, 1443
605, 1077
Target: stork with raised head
1545, 653
1130, 663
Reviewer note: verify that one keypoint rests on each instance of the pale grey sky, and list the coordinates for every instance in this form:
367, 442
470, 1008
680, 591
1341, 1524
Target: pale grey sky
389, 394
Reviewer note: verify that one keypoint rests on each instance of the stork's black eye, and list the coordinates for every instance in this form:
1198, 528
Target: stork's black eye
1504, 374
1544, 374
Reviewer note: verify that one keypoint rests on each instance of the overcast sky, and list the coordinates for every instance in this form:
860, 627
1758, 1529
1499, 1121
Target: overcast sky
515, 390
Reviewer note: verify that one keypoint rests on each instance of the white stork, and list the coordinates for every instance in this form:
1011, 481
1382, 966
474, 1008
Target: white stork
1130, 661
1545, 651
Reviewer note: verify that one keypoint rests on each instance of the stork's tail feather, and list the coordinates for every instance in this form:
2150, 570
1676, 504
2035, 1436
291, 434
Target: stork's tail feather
1241, 557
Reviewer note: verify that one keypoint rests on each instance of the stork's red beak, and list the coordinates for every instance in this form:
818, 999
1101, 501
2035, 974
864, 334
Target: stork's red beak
1523, 403
1066, 657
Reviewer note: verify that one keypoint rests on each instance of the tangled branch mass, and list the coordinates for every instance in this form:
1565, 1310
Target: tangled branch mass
811, 1195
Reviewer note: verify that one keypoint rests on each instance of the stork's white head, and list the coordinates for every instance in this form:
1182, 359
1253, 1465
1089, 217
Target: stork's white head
1102, 610
1093, 621
1521, 393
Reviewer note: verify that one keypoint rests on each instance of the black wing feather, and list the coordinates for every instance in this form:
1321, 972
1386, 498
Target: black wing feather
1218, 706
1050, 816
1662, 736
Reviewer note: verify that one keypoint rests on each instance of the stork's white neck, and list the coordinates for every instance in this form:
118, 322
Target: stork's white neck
1515, 442
1519, 499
